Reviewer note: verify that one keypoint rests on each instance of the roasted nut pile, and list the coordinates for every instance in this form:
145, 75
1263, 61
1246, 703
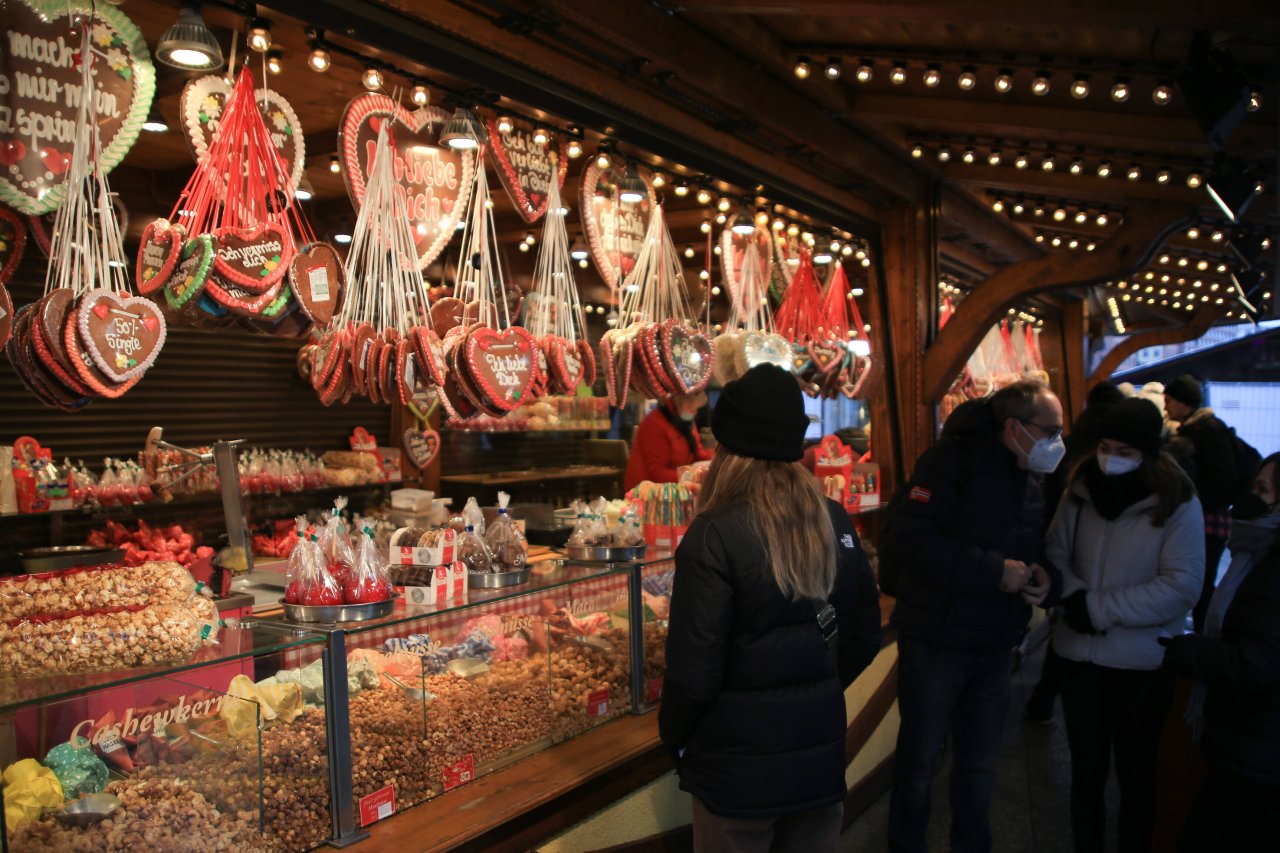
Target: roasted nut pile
577, 671
90, 589
157, 814
655, 650
100, 642
387, 746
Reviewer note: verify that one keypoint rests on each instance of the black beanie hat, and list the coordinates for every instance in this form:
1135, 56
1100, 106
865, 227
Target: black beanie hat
1185, 389
761, 415
1135, 421
1103, 394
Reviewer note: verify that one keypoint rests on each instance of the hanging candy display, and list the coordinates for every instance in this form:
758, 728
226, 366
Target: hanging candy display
749, 338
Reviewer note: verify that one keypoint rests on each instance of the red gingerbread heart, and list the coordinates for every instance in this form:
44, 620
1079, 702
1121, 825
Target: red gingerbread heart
318, 280
501, 363
13, 240
253, 259
158, 255
526, 168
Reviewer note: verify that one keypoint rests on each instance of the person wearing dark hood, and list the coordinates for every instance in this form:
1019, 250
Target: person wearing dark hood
1234, 707
666, 439
1205, 445
969, 538
774, 612
1129, 540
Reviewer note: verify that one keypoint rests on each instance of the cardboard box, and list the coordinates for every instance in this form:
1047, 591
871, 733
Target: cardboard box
448, 583
441, 555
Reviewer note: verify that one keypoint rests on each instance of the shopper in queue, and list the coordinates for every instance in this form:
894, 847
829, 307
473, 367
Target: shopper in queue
666, 439
753, 702
1206, 447
1129, 540
970, 539
1234, 707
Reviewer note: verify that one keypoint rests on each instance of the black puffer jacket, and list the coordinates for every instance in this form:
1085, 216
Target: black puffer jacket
1208, 444
753, 700
969, 507
1242, 671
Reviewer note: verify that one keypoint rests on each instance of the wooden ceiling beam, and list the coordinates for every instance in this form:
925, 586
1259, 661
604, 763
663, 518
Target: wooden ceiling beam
984, 226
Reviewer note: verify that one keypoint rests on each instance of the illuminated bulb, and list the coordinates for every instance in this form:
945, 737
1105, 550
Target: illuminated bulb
334, 165
682, 189
574, 149
1255, 102
258, 36
1039, 238
1004, 81
715, 291
793, 229
802, 68
1102, 219
993, 158
864, 72
540, 136
275, 61
1039, 211
1081, 217
898, 75
705, 227
704, 275
1193, 233
1076, 167
997, 205
1018, 209
1104, 169
1080, 88
1194, 180
421, 95
505, 125
969, 156
778, 225
1047, 164
1089, 247
832, 69
1021, 161
1059, 215
1162, 176
659, 180
724, 204
944, 154
720, 220
917, 151
1056, 241
866, 262
603, 159
1120, 90
688, 251
968, 78
1162, 94
932, 76
524, 247
530, 239
704, 195
1040, 85
319, 60
372, 78
1134, 173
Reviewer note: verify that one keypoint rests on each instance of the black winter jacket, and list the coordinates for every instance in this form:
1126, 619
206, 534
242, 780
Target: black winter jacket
753, 699
1207, 442
1241, 669
969, 507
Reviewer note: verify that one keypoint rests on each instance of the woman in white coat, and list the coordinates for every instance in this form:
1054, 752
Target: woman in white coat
1129, 539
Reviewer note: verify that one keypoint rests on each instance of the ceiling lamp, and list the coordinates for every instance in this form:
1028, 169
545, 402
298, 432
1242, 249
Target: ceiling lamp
1104, 169
188, 43
822, 255
1134, 173
1040, 84
1162, 94
1162, 176
968, 78
682, 189
258, 35
993, 159
802, 68
421, 95
1080, 87
932, 76
633, 189
578, 251
997, 206
969, 155
275, 60
540, 136
1120, 90
574, 149
704, 195
864, 72
1076, 167
505, 125
898, 75
724, 204
459, 131
1231, 186
1102, 219
319, 61
658, 180
1047, 164
372, 78
603, 158
917, 151
1004, 81
1194, 180
944, 154
155, 122
335, 165
1021, 161
744, 225
832, 69
304, 191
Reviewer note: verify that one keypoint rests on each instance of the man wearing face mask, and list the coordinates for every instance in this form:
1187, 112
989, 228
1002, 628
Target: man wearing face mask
1128, 538
1234, 707
666, 439
968, 538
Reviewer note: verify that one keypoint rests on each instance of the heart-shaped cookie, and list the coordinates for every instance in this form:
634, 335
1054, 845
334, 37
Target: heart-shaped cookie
86, 366
615, 229
205, 98
421, 446
6, 315
733, 253
564, 363
588, 356
122, 334
827, 356
49, 319
254, 259
192, 274
501, 363
318, 280
13, 240
446, 314
358, 354
429, 355
436, 179
766, 348
689, 357
526, 168
158, 254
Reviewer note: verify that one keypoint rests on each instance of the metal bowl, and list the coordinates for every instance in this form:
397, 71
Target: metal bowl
35, 560
497, 580
337, 612
605, 554
90, 808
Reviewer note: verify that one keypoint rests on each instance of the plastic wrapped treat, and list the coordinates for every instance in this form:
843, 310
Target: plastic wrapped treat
473, 553
628, 531
506, 543
77, 767
590, 530
310, 581
94, 587
367, 583
473, 515
335, 545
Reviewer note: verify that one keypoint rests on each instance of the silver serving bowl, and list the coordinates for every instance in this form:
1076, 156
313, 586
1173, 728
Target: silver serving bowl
36, 560
337, 612
90, 808
497, 580
604, 554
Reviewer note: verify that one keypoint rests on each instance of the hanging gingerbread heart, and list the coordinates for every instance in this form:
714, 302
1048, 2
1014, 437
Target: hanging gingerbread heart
733, 251
123, 336
501, 364
6, 315
202, 104
49, 319
86, 366
766, 348
827, 356
13, 240
37, 137
565, 362
615, 229
421, 446
193, 271
158, 255
253, 259
588, 357
525, 166
429, 356
435, 178
318, 281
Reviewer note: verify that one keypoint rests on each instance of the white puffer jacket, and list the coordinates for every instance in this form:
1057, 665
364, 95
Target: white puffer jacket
1142, 580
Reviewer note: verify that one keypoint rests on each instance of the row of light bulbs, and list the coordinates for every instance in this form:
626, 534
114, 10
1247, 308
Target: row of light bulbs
1050, 162
967, 80
1026, 317
1116, 319
1059, 241
1058, 213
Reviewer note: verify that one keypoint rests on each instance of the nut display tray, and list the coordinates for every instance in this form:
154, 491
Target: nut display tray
337, 612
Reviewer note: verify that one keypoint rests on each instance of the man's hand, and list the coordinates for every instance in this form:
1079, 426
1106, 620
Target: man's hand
1037, 589
1016, 575
1076, 613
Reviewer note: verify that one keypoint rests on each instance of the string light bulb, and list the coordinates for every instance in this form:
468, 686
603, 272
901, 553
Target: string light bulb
372, 78
1040, 85
540, 136
864, 72
1162, 176
704, 195
944, 154
993, 159
969, 155
574, 149
319, 61
1048, 164
1120, 90
1104, 169
1134, 173
1021, 161
917, 151
334, 165
932, 76
802, 68
1004, 81
1194, 180
682, 189
832, 69
505, 125
603, 159
258, 35
898, 74
1080, 87
1076, 167
968, 78
1255, 101
1162, 94
275, 61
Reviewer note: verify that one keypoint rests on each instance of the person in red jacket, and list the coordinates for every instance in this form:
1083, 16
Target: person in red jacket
665, 440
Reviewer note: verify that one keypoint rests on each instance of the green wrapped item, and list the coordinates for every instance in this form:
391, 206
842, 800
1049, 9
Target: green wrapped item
77, 767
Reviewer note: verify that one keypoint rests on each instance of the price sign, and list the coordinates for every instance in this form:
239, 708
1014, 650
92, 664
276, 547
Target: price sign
460, 772
653, 690
376, 806
598, 702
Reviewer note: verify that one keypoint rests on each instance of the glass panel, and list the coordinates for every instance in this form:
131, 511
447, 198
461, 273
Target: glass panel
590, 634
655, 582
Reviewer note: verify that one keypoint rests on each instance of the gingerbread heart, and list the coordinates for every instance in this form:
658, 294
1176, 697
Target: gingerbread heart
122, 334
6, 315
318, 280
48, 322
253, 259
588, 357
225, 297
429, 355
501, 363
435, 179
85, 365
565, 363
421, 446
13, 240
158, 254
689, 357
526, 168
615, 229
733, 253
406, 373
192, 274
827, 356
446, 314
358, 355
201, 106
766, 348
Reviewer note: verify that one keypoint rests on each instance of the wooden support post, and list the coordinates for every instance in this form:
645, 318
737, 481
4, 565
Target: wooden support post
1200, 323
1073, 388
1146, 226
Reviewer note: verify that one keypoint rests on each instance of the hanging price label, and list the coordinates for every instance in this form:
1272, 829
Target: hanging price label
653, 690
376, 806
460, 772
598, 702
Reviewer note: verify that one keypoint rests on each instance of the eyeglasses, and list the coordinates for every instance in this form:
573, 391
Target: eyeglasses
1050, 432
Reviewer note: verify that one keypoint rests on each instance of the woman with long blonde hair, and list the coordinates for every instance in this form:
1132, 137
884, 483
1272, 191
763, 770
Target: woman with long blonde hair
774, 612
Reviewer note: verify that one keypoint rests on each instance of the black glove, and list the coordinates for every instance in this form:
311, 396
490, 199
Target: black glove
1076, 613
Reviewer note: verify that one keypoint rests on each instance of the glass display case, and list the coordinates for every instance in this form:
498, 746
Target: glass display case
656, 574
